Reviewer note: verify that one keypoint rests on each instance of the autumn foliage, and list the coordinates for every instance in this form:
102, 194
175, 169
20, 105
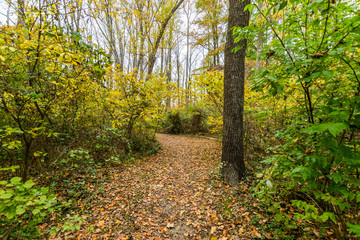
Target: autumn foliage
65, 112
80, 120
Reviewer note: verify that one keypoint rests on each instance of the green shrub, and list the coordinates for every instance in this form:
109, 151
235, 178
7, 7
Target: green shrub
175, 120
23, 207
191, 120
321, 181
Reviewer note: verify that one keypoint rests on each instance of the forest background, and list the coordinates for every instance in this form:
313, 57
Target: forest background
86, 85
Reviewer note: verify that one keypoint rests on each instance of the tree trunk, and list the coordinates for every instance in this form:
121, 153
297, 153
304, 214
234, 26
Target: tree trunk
233, 166
140, 63
152, 56
169, 70
26, 160
8, 14
259, 44
21, 12
178, 74
162, 59
121, 47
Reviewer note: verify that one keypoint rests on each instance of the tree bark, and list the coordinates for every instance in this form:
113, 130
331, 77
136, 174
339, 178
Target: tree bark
233, 166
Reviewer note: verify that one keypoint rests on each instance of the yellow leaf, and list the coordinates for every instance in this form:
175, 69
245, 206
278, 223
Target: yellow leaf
37, 154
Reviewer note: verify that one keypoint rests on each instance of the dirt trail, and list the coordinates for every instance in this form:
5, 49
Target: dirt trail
173, 194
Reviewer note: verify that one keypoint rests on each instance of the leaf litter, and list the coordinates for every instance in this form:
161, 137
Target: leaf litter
174, 194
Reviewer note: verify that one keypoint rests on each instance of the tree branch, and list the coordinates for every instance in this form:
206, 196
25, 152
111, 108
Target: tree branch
152, 56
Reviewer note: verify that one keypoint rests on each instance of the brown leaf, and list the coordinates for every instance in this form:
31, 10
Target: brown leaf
318, 55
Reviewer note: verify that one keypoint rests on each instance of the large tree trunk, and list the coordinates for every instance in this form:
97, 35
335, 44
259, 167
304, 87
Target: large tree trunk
233, 166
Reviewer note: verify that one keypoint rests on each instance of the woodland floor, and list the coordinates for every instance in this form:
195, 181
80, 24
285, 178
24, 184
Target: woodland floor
174, 194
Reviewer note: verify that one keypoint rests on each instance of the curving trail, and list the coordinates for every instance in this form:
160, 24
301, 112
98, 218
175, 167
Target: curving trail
174, 194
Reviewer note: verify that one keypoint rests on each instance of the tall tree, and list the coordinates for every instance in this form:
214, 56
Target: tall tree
211, 29
233, 166
152, 57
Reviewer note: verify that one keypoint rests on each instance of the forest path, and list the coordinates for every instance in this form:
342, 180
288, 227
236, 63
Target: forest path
174, 194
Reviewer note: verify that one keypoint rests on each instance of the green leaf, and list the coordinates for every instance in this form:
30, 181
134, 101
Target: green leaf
283, 5
332, 217
336, 128
356, 30
298, 169
52, 231
12, 168
36, 211
5, 196
249, 7
325, 216
15, 180
279, 217
344, 205
336, 177
20, 210
328, 73
354, 229
316, 75
324, 12
28, 184
269, 184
